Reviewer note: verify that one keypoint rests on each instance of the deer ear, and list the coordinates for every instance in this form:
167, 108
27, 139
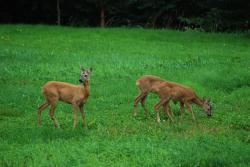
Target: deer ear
81, 67
209, 99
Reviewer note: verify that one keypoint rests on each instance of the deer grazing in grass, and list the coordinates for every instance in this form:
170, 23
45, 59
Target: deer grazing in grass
146, 84
169, 91
76, 95
179, 93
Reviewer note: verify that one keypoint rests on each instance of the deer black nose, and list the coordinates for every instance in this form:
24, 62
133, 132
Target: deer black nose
80, 80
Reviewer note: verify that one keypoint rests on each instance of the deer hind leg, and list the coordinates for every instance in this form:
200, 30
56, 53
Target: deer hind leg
143, 100
137, 100
84, 122
52, 114
39, 112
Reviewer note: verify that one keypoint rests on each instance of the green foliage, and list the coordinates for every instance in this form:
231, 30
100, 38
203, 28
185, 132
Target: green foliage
204, 15
214, 65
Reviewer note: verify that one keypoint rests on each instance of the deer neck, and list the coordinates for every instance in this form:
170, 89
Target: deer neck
85, 87
198, 101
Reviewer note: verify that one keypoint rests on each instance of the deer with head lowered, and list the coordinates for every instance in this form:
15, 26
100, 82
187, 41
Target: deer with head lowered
179, 93
76, 95
167, 91
146, 84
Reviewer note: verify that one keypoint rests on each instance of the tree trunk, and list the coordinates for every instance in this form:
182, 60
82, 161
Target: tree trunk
58, 12
102, 17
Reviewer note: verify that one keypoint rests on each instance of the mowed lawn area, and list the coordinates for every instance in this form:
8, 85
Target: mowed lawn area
215, 65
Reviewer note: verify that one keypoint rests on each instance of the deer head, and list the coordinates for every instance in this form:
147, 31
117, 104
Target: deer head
207, 107
84, 74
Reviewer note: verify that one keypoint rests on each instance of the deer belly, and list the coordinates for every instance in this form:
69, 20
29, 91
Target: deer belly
67, 98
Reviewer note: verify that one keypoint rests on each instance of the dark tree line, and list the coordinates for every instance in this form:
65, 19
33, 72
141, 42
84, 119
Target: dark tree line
207, 15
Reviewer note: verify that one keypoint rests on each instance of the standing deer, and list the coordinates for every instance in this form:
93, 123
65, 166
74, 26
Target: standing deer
76, 95
165, 90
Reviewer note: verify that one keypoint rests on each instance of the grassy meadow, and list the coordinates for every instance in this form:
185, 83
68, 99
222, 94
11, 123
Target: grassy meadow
215, 65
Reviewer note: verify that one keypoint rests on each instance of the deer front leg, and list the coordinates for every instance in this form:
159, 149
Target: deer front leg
182, 109
166, 108
74, 109
190, 110
157, 107
84, 122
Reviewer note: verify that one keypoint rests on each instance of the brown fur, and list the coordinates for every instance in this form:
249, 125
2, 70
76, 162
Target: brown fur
178, 93
166, 91
55, 91
146, 84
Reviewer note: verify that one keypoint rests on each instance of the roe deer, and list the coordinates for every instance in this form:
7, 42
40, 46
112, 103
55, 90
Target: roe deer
76, 95
149, 83
146, 85
179, 93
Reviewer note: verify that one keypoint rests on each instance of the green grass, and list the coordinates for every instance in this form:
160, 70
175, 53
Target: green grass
215, 65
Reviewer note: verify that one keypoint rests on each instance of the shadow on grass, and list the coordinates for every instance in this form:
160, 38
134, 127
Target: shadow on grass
9, 112
26, 135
